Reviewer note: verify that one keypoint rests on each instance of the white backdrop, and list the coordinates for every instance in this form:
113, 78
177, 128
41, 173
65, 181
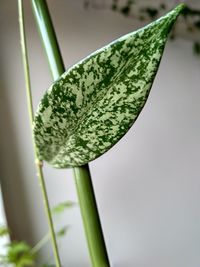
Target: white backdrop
147, 186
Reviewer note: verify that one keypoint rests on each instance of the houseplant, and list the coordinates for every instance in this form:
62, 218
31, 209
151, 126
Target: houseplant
82, 176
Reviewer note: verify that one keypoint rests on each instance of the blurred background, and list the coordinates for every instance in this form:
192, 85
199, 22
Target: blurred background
147, 186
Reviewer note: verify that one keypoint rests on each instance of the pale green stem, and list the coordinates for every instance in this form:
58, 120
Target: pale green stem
41, 243
31, 116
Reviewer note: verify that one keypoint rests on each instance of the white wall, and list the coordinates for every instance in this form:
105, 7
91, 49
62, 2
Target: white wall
147, 186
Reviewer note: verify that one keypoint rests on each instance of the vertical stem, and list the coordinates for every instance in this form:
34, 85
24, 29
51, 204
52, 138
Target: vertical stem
90, 217
89, 211
48, 212
48, 37
30, 108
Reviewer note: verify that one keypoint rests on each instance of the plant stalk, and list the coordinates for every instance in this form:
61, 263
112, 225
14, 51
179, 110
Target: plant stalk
41, 243
48, 37
90, 216
89, 211
39, 164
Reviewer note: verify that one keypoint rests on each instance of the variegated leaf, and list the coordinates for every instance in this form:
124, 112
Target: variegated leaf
93, 104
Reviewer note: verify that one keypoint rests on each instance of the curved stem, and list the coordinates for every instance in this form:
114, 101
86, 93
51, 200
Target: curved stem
31, 116
89, 211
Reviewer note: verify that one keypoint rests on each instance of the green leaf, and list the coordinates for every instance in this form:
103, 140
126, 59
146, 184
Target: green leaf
19, 254
93, 104
62, 232
63, 206
4, 231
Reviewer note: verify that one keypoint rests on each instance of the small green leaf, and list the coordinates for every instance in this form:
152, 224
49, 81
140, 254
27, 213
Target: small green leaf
19, 254
62, 232
4, 231
63, 206
92, 105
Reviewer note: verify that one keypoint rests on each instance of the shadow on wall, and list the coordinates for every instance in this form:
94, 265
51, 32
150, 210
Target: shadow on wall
11, 173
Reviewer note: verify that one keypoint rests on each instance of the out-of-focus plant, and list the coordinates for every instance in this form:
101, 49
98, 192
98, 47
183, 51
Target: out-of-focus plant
21, 254
138, 10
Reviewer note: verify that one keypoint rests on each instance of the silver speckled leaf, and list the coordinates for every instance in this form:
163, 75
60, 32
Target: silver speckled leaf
93, 104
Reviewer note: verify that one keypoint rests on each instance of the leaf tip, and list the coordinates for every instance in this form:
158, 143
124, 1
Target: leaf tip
180, 7
170, 18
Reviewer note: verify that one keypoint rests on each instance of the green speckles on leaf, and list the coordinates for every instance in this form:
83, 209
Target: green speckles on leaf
92, 105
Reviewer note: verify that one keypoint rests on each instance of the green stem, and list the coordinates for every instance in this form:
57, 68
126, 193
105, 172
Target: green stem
82, 176
31, 117
48, 37
49, 217
41, 243
90, 217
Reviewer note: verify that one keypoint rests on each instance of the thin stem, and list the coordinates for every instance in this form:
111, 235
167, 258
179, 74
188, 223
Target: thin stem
31, 116
25, 61
82, 176
49, 217
41, 243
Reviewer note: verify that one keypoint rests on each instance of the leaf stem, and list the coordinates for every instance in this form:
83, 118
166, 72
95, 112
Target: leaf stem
39, 164
41, 243
89, 211
90, 216
48, 37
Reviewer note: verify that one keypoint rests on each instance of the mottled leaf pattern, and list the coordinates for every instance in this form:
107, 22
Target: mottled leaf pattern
92, 105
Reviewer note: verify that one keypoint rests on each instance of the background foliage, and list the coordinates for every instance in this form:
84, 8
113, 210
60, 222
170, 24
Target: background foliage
149, 10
